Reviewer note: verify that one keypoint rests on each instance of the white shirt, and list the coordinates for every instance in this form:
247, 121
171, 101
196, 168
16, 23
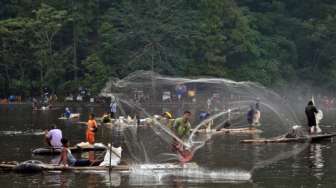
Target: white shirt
55, 136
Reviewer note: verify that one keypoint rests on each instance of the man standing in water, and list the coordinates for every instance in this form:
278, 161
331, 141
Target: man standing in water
311, 111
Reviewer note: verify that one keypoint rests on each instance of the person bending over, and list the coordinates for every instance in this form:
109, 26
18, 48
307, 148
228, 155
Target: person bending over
53, 137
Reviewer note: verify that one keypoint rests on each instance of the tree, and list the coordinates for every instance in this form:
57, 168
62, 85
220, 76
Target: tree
96, 74
47, 24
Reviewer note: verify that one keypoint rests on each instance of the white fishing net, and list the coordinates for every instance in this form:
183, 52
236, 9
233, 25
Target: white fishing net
224, 103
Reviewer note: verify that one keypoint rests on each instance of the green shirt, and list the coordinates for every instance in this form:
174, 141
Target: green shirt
182, 128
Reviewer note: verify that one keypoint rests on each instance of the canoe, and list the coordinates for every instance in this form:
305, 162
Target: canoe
308, 138
74, 149
231, 131
12, 166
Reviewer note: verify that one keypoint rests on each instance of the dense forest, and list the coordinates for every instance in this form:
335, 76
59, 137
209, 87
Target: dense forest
64, 44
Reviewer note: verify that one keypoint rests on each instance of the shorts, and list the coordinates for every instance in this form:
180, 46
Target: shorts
90, 137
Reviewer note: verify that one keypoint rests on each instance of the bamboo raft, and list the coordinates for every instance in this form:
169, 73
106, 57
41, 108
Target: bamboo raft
12, 167
49, 167
231, 131
74, 149
308, 138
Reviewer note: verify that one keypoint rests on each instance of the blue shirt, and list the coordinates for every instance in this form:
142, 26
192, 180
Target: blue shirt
113, 107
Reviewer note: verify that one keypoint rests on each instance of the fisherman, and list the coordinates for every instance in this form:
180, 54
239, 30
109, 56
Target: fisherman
257, 115
113, 109
53, 137
182, 129
182, 125
91, 129
67, 113
67, 159
311, 111
250, 116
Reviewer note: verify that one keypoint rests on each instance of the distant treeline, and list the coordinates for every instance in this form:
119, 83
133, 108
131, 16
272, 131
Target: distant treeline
64, 44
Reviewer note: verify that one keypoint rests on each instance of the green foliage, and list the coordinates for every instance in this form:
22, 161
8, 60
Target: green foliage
96, 74
67, 44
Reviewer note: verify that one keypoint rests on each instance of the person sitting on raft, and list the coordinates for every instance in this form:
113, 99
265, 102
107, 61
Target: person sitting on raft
91, 129
53, 137
67, 159
311, 111
67, 113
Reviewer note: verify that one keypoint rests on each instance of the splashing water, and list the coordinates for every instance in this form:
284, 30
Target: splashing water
149, 174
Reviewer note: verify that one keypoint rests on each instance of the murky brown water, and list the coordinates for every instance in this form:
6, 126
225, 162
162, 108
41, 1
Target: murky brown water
223, 161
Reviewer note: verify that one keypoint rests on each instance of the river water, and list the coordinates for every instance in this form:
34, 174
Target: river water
223, 161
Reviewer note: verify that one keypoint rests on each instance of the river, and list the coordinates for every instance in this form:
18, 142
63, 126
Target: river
223, 161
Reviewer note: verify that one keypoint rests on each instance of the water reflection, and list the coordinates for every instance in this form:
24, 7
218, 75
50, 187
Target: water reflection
317, 160
57, 179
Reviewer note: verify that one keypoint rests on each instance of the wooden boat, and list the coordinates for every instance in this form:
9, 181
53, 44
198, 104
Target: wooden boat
308, 138
74, 149
39, 167
231, 131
